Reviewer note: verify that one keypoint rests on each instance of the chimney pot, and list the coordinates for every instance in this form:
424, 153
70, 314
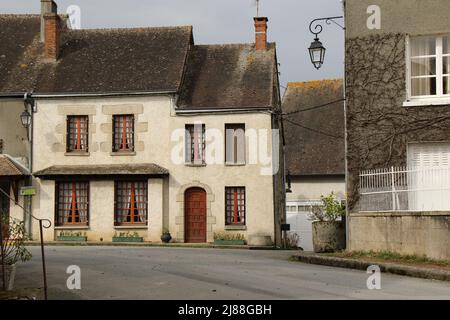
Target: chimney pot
261, 32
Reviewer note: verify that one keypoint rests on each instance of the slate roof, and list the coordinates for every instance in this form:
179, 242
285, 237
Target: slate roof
315, 143
92, 61
162, 59
228, 76
148, 169
8, 167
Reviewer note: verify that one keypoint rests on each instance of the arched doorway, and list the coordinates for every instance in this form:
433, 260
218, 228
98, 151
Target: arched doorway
195, 215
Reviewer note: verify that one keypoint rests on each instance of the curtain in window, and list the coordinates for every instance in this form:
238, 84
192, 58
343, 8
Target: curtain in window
82, 203
129, 132
141, 201
66, 190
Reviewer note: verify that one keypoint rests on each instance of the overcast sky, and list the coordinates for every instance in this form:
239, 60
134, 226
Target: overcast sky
222, 21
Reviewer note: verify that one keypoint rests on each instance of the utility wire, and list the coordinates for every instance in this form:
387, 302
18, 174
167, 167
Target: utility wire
313, 108
315, 130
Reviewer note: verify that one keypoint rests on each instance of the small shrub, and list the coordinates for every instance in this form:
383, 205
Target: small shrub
330, 210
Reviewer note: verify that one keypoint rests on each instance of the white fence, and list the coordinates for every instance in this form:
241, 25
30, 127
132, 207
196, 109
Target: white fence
405, 189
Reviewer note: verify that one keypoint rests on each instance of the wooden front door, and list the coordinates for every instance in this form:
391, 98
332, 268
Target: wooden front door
195, 215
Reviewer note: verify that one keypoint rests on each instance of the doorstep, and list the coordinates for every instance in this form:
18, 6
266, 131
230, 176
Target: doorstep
149, 244
360, 264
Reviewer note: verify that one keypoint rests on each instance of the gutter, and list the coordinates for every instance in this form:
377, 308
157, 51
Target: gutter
80, 94
225, 110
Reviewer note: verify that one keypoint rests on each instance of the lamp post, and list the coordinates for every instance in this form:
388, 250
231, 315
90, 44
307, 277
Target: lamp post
26, 118
316, 49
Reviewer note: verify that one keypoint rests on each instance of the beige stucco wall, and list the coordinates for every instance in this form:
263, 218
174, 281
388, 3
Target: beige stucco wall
11, 130
413, 233
414, 17
312, 188
155, 122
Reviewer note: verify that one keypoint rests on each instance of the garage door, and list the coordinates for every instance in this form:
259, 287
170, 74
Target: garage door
429, 176
297, 216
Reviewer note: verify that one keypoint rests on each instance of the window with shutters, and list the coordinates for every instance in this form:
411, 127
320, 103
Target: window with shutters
235, 143
195, 144
123, 133
130, 203
77, 133
72, 203
235, 205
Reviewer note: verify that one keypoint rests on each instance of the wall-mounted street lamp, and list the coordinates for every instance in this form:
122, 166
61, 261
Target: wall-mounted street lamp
317, 50
25, 118
289, 183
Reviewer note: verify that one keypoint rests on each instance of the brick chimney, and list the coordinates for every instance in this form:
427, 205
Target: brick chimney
52, 36
47, 6
261, 33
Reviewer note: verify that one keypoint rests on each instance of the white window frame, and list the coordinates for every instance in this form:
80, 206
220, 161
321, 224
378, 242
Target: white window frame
440, 98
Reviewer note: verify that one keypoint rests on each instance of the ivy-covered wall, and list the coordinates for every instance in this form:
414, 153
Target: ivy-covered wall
379, 128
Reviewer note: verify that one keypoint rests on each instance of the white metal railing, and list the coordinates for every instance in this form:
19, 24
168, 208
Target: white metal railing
405, 189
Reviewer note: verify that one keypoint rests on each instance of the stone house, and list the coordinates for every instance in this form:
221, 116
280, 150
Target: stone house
142, 130
314, 131
398, 125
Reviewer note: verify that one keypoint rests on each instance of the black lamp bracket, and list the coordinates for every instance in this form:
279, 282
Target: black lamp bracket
316, 26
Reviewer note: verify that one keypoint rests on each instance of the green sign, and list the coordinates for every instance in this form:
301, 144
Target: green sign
27, 191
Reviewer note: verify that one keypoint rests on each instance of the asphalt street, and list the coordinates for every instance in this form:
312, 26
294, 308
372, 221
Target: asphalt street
218, 274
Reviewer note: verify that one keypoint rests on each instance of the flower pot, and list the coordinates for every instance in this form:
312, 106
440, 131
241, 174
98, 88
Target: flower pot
10, 272
328, 236
230, 242
71, 238
128, 239
166, 237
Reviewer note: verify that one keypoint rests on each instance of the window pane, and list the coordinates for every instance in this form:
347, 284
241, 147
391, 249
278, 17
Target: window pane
235, 205
123, 133
131, 202
72, 203
77, 133
446, 85
423, 46
235, 143
446, 45
423, 87
423, 67
195, 143
446, 65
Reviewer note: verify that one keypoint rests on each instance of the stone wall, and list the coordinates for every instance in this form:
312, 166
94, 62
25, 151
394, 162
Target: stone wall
412, 233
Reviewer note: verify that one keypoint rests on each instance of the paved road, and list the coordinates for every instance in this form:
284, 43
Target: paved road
186, 273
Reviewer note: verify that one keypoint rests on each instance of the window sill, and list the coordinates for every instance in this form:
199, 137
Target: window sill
77, 154
229, 228
235, 164
123, 153
75, 227
195, 164
131, 227
427, 102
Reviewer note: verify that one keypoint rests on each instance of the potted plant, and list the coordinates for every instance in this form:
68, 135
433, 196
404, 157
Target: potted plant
328, 225
166, 237
13, 250
72, 236
222, 238
127, 237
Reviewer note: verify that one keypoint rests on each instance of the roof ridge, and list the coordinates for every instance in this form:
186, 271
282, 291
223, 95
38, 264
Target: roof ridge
135, 29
